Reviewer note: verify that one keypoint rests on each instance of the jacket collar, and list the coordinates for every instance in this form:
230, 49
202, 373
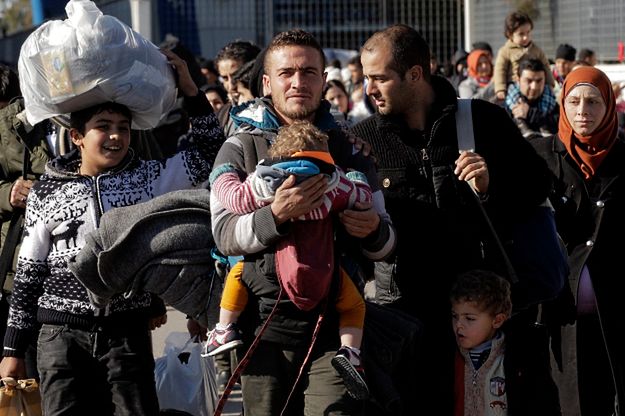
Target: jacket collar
261, 114
65, 167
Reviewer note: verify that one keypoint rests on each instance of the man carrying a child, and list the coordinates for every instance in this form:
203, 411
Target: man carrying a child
294, 78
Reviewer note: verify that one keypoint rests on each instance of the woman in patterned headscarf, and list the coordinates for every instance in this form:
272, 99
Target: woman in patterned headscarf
587, 159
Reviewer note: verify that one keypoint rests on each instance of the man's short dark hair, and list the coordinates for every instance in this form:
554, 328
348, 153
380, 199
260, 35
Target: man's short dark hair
534, 65
585, 54
78, 119
240, 51
408, 48
9, 84
514, 21
295, 37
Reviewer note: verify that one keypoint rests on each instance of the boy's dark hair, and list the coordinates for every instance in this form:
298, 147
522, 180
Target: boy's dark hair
9, 84
486, 289
221, 91
240, 51
532, 65
514, 21
408, 48
78, 119
295, 37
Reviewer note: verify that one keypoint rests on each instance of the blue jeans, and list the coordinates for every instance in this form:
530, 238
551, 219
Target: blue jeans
96, 372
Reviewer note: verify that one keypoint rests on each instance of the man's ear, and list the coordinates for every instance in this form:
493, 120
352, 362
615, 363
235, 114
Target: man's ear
500, 318
415, 73
76, 137
266, 85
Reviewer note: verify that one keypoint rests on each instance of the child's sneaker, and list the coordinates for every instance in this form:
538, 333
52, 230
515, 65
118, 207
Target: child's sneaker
221, 340
347, 363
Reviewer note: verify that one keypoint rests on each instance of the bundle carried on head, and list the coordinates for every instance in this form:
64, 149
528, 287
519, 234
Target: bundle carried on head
91, 58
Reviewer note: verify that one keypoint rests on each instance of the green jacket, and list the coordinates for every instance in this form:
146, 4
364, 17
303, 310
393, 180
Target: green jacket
12, 160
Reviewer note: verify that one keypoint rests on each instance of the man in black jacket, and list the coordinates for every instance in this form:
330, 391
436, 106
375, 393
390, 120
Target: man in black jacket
426, 185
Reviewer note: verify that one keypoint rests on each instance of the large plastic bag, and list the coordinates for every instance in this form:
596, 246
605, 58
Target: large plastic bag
91, 58
20, 398
184, 379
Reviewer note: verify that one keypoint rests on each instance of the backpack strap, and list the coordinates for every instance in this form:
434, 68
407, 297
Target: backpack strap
466, 141
464, 126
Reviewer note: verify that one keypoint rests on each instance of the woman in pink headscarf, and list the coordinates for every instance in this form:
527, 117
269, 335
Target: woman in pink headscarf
587, 159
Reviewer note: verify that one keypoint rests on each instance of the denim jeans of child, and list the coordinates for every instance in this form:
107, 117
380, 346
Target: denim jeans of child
97, 371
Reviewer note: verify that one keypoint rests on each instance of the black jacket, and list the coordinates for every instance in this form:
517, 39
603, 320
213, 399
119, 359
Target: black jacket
590, 220
440, 230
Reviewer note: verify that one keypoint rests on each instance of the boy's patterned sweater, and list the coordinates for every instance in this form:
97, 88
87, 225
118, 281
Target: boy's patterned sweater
64, 206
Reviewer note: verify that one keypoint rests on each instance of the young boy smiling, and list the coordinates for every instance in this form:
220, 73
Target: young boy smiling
96, 362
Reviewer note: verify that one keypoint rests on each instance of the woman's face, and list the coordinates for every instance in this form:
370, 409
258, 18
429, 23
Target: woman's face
585, 109
338, 98
484, 67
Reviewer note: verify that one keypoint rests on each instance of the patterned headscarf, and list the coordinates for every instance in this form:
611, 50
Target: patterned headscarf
589, 151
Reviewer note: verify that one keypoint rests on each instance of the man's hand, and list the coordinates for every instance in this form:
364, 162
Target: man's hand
19, 193
157, 322
185, 82
520, 110
472, 168
293, 201
360, 222
359, 144
13, 367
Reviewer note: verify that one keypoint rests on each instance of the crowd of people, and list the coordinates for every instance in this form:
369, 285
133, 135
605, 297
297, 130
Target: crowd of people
323, 178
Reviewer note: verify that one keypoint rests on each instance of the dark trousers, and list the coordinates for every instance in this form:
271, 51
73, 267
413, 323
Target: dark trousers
269, 377
96, 372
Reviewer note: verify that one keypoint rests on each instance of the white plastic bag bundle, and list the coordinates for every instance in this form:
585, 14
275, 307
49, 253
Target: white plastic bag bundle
91, 58
184, 379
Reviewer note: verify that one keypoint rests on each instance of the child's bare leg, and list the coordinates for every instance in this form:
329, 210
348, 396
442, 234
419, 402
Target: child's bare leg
228, 317
350, 336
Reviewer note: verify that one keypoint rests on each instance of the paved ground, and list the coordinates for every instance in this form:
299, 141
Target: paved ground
176, 322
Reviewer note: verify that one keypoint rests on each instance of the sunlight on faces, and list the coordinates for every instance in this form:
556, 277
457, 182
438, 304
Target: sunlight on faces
585, 109
473, 326
484, 67
215, 100
391, 94
564, 67
226, 68
337, 97
294, 77
105, 143
532, 84
523, 35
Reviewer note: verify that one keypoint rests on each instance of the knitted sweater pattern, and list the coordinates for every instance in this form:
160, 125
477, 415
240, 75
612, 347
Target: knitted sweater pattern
64, 206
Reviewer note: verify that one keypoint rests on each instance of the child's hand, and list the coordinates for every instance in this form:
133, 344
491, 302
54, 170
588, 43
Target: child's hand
501, 95
185, 82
